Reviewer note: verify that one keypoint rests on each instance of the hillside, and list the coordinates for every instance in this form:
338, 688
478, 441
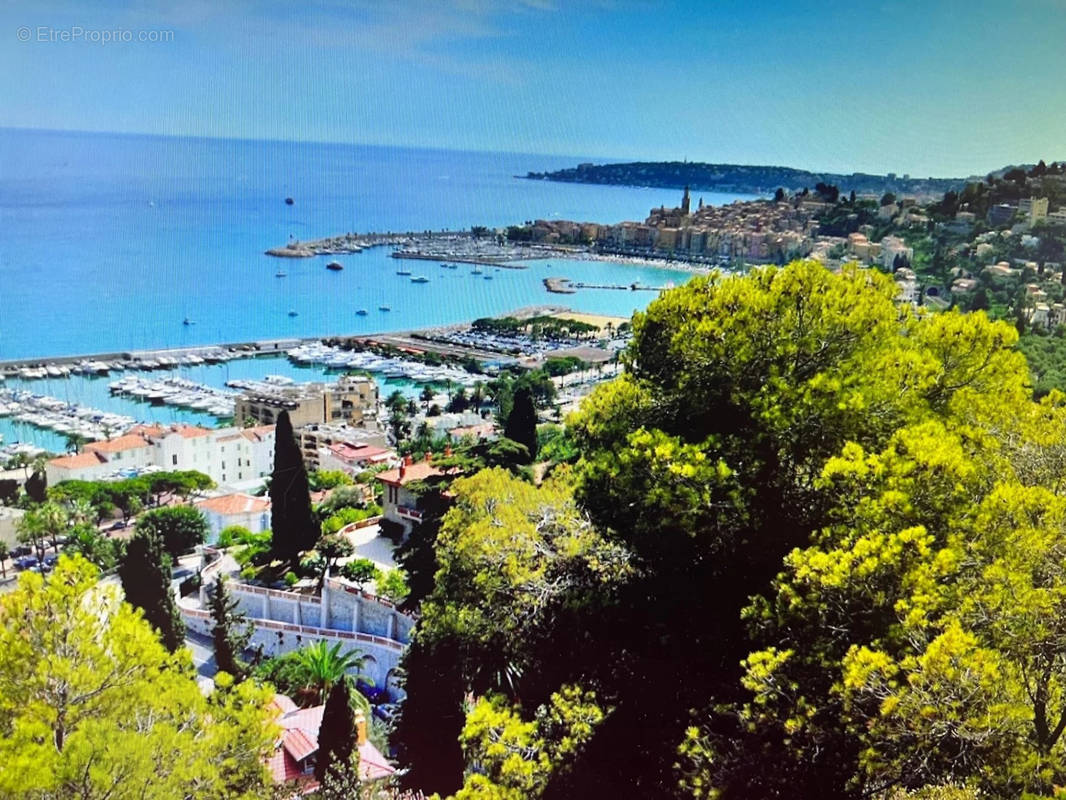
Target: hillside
743, 179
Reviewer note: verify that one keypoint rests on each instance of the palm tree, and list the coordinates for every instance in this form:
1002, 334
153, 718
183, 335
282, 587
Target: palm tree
321, 666
54, 521
82, 512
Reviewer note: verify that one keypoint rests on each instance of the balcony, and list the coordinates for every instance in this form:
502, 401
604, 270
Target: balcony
412, 514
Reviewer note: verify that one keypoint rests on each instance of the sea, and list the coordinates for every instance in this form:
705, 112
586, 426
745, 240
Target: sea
110, 242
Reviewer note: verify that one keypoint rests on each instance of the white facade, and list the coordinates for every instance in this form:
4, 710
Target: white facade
226, 455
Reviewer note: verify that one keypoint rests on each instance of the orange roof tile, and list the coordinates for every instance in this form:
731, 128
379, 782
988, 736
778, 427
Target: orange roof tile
130, 441
413, 472
236, 503
78, 461
258, 432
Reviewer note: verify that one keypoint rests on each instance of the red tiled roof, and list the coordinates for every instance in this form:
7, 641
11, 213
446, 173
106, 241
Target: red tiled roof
78, 461
413, 472
300, 740
236, 503
298, 744
130, 441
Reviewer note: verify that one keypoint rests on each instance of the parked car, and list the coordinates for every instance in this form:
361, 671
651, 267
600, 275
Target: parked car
117, 525
21, 550
371, 693
26, 562
51, 559
386, 712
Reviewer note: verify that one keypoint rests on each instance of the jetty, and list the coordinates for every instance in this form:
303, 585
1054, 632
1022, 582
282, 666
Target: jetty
567, 286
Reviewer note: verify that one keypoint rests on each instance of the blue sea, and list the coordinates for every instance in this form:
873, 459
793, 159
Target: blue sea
108, 242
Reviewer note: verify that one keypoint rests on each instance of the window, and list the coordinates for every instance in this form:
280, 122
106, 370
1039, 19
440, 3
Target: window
174, 460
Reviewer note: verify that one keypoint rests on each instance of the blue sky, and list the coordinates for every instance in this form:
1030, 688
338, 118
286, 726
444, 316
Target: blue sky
926, 88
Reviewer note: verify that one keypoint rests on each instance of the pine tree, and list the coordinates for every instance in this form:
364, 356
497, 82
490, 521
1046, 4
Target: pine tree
293, 525
231, 632
145, 574
521, 424
337, 736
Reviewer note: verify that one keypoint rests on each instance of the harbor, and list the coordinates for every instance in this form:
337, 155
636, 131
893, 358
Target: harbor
51, 404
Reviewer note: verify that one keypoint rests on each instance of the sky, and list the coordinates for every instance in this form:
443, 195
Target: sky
923, 88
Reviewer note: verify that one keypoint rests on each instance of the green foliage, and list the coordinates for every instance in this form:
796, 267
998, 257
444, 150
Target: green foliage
233, 534
92, 706
347, 516
521, 424
393, 586
516, 758
333, 546
230, 632
145, 574
307, 675
36, 486
291, 520
360, 571
556, 445
319, 479
337, 735
564, 365
345, 497
180, 528
511, 557
291, 578
94, 546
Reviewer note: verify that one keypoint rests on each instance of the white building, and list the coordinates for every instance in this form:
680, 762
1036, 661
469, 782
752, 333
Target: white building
226, 455
238, 508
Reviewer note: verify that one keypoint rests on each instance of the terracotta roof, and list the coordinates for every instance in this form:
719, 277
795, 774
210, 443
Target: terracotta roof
298, 744
413, 472
300, 740
258, 433
149, 430
190, 431
236, 503
78, 461
130, 441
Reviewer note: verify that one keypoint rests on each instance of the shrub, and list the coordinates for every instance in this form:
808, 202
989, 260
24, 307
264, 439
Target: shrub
248, 573
360, 571
291, 578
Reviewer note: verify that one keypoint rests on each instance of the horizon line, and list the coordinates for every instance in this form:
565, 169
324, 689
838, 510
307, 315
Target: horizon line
431, 148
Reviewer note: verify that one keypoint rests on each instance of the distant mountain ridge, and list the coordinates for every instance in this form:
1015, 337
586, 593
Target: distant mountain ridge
744, 179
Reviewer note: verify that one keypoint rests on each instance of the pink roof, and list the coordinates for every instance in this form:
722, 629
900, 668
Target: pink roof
300, 739
237, 503
298, 744
360, 452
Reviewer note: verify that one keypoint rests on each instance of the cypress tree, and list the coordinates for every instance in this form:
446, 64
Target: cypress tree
145, 574
337, 736
293, 526
231, 632
521, 424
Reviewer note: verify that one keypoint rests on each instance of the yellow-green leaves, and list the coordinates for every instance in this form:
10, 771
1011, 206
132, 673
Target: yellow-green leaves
92, 705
